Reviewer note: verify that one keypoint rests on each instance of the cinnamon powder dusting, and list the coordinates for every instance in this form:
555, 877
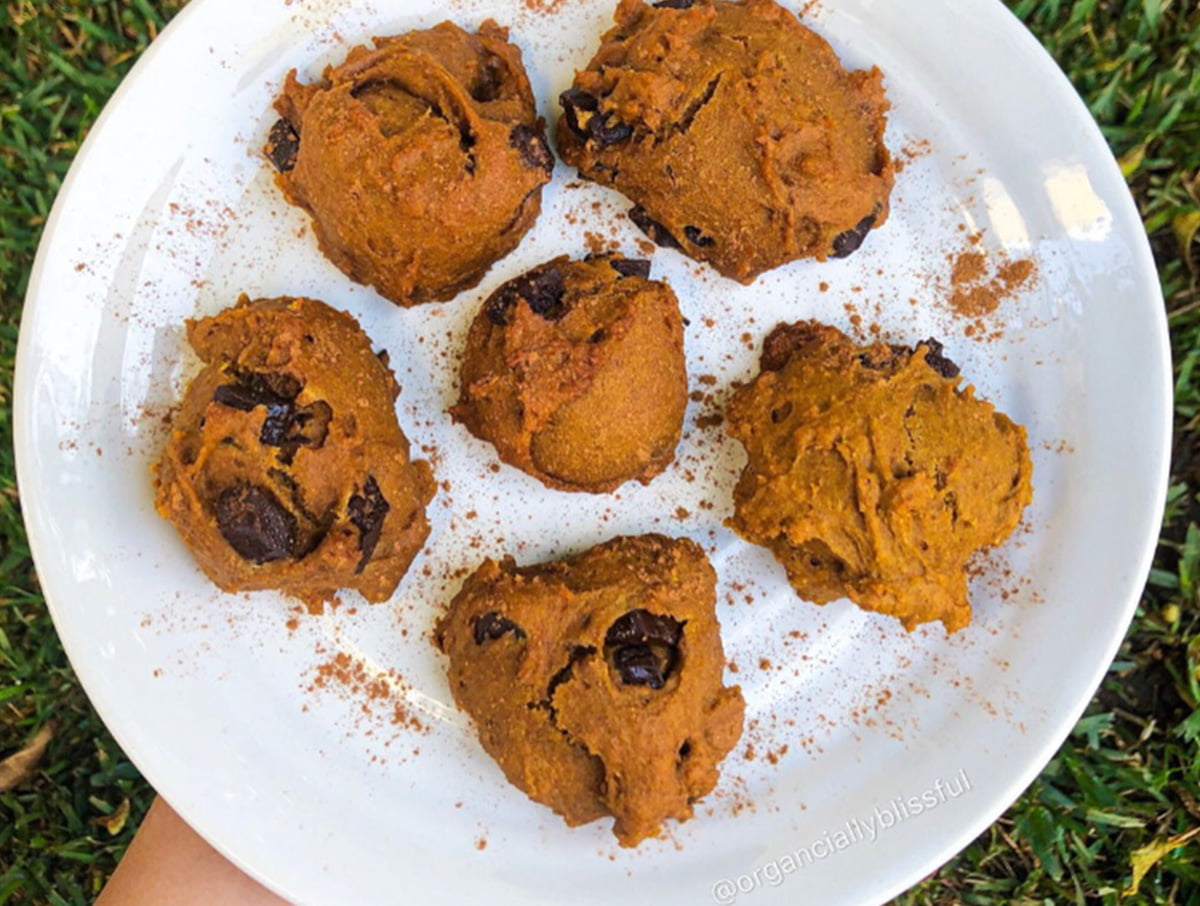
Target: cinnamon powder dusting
979, 282
378, 693
544, 7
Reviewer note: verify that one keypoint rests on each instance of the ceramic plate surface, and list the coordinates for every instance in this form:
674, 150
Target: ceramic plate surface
871, 754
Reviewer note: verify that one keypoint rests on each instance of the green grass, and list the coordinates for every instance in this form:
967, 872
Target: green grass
58, 64
1128, 778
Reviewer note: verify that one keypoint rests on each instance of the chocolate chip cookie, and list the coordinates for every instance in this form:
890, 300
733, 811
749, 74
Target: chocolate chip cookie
286, 467
873, 474
596, 683
421, 160
736, 132
575, 372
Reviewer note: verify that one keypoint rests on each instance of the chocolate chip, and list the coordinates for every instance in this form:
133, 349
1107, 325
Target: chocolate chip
283, 145
277, 425
286, 424
631, 267
531, 142
492, 626
368, 510
658, 233
788, 341
575, 101
310, 425
240, 397
847, 243
674, 4
252, 389
643, 648
582, 113
695, 237
640, 665
641, 626
934, 357
940, 363
497, 309
606, 130
255, 524
877, 360
542, 289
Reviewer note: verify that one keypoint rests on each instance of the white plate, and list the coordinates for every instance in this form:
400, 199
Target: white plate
170, 212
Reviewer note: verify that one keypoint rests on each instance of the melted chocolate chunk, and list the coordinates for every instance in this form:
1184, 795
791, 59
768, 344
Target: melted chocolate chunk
492, 626
252, 389
607, 130
658, 233
277, 426
241, 397
497, 309
531, 142
582, 113
368, 510
283, 144
643, 648
310, 425
787, 341
575, 101
644, 626
674, 4
631, 267
934, 357
542, 289
255, 524
697, 238
877, 361
940, 363
287, 425
847, 243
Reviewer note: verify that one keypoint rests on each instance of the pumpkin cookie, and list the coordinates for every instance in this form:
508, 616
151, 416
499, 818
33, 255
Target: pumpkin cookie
873, 474
575, 372
596, 682
286, 467
736, 132
421, 160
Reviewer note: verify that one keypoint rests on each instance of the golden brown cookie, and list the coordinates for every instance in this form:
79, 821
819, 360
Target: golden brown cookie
736, 132
575, 372
597, 682
873, 474
421, 161
286, 467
